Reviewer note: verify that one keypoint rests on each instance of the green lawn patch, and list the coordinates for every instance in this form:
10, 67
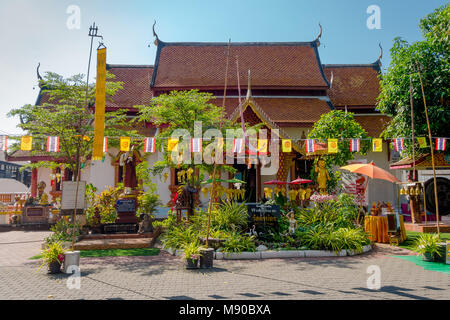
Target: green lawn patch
411, 237
113, 253
427, 265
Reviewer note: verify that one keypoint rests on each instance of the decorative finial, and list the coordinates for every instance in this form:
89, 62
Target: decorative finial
38, 74
381, 52
319, 35
249, 87
155, 35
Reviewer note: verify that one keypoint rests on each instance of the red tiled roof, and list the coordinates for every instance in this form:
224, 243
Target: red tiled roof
293, 109
136, 87
373, 124
282, 110
353, 85
199, 65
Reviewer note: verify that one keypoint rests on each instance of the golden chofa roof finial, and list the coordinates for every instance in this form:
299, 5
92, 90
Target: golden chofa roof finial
155, 35
319, 35
249, 86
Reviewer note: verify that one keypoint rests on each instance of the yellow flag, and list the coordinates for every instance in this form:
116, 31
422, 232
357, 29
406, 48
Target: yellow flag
332, 145
262, 145
377, 145
99, 118
422, 142
26, 143
220, 143
172, 145
286, 145
125, 144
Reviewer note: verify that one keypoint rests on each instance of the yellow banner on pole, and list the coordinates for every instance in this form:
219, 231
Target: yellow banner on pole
99, 122
377, 144
26, 143
125, 144
332, 145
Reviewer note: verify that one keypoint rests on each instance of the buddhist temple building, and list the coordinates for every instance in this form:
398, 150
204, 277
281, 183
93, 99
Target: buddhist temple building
282, 85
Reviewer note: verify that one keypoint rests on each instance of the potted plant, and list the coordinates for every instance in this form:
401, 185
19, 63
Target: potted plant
53, 257
192, 254
428, 246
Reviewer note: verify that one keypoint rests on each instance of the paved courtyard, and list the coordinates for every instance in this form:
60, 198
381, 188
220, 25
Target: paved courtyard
163, 277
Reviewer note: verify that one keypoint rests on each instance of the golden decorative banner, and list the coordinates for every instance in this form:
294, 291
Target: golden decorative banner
286, 145
26, 143
377, 144
332, 145
99, 124
125, 144
172, 144
422, 142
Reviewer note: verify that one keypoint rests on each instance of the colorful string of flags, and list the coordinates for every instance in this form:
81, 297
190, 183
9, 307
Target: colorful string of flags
311, 145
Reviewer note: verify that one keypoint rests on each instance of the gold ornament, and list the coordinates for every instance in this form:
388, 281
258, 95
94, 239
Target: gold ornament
166, 175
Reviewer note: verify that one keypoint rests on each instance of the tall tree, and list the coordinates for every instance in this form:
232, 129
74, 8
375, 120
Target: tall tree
430, 56
68, 112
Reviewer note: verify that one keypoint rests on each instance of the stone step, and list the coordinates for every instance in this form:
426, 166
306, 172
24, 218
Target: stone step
427, 228
103, 244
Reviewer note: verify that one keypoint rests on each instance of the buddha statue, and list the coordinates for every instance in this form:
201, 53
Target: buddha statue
322, 177
42, 196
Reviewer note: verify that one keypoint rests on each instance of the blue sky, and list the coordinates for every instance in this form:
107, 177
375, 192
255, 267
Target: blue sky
33, 31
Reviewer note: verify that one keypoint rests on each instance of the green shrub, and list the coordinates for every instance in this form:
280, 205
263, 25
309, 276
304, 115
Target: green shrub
238, 243
428, 243
230, 216
62, 231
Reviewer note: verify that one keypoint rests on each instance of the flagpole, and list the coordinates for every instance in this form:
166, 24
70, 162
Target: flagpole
436, 202
211, 195
92, 33
412, 129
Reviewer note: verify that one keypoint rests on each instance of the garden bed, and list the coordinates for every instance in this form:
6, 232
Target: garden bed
281, 254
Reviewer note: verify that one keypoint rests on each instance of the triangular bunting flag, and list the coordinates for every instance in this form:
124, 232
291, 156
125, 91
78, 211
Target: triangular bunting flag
399, 144
196, 145
125, 143
172, 144
441, 143
422, 142
26, 143
310, 145
3, 143
238, 145
52, 144
105, 144
332, 145
262, 146
355, 145
286, 145
149, 145
377, 145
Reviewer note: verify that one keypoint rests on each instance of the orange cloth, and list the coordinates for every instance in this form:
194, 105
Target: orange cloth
377, 227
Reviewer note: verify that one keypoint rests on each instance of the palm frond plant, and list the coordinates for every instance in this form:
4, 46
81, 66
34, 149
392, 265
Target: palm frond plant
427, 245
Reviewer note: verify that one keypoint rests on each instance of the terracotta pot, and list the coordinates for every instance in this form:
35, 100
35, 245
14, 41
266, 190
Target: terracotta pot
54, 267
